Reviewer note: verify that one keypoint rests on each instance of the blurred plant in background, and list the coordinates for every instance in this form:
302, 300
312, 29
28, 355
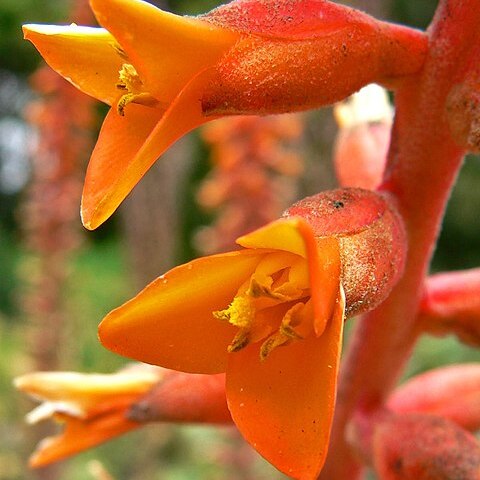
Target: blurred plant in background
255, 165
50, 273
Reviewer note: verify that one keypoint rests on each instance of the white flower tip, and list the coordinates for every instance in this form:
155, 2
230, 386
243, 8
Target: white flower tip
47, 410
370, 104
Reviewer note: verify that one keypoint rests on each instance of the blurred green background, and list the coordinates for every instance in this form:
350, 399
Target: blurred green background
101, 276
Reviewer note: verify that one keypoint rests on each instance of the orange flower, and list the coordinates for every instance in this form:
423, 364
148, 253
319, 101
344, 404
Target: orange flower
255, 314
271, 317
92, 406
165, 75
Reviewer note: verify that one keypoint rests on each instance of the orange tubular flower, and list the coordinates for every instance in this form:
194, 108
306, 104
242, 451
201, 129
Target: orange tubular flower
271, 316
165, 75
93, 407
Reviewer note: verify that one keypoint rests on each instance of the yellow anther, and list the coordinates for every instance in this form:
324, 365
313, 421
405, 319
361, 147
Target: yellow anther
120, 51
272, 306
241, 340
240, 313
271, 343
129, 81
139, 98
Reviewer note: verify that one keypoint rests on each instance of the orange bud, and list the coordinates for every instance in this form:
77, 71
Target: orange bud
371, 237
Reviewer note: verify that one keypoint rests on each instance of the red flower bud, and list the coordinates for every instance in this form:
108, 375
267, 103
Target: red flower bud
452, 392
424, 447
451, 304
371, 237
304, 54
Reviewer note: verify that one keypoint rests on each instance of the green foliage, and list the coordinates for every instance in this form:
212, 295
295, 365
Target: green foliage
16, 54
458, 244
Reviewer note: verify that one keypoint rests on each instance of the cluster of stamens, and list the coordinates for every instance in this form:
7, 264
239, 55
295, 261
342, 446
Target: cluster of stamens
130, 82
272, 306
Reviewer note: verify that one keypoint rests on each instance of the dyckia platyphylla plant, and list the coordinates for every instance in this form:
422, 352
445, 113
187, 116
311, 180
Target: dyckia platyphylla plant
270, 315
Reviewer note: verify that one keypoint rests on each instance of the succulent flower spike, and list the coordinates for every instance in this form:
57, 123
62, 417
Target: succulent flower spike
93, 407
271, 317
165, 75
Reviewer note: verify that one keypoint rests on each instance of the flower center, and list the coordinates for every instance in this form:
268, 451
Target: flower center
130, 82
272, 306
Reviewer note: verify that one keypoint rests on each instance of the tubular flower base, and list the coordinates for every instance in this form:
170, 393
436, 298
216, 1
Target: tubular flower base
165, 75
270, 316
93, 407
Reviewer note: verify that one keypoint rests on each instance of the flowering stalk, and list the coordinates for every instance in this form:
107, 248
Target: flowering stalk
420, 136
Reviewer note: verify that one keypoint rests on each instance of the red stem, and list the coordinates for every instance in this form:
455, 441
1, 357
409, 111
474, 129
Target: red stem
423, 164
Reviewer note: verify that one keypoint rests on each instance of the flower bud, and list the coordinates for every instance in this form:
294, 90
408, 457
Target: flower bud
371, 238
452, 392
424, 447
304, 54
451, 304
361, 146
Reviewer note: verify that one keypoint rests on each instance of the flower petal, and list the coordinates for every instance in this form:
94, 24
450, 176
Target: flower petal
85, 390
79, 435
129, 145
170, 323
284, 405
85, 56
295, 235
166, 49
